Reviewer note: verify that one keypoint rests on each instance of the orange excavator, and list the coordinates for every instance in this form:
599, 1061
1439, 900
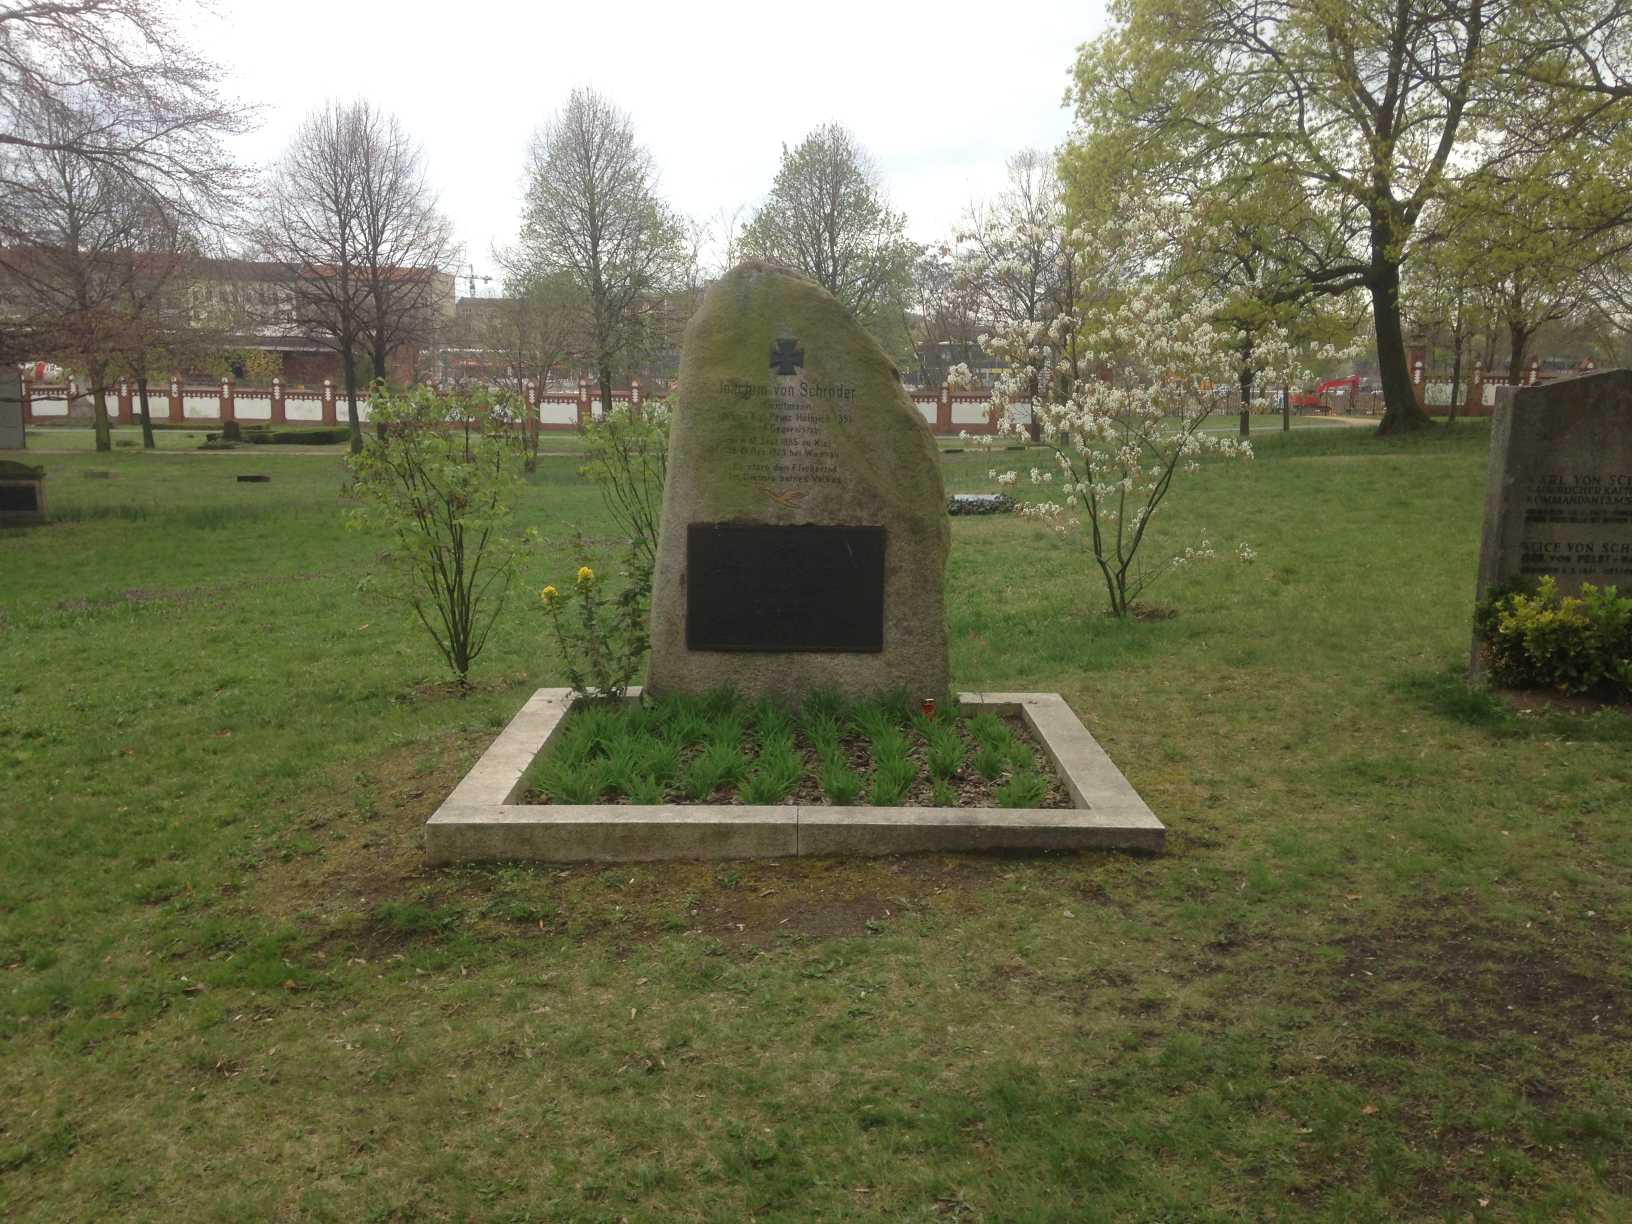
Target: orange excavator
1317, 398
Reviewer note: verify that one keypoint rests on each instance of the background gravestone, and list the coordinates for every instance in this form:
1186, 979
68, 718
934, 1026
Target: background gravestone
1559, 496
804, 535
22, 494
12, 436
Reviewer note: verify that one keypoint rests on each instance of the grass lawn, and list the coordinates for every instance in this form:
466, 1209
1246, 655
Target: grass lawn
1382, 972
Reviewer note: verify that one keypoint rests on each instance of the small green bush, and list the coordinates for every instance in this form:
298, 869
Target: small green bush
1573, 644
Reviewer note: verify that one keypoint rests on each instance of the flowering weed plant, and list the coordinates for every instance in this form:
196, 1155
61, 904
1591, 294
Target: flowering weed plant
602, 636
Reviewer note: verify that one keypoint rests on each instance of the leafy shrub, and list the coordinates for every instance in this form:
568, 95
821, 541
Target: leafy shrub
1573, 644
438, 480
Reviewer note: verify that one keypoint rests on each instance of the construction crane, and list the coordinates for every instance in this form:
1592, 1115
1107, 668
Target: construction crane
471, 278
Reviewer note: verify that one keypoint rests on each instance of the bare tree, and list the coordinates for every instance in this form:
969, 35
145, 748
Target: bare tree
826, 216
313, 224
593, 213
350, 214
152, 300
64, 248
405, 245
126, 94
104, 113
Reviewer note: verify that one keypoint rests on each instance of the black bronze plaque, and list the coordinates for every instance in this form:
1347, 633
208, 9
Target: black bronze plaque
784, 588
20, 498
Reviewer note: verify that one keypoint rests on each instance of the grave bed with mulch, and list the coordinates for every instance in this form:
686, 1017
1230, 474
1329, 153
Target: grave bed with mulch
720, 750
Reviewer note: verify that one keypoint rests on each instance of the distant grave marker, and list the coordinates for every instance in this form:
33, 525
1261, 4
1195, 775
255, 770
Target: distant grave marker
12, 436
22, 494
1558, 501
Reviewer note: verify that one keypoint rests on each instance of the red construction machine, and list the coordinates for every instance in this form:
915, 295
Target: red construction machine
1317, 400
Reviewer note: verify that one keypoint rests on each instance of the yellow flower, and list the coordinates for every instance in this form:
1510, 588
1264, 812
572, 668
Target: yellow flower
548, 596
585, 575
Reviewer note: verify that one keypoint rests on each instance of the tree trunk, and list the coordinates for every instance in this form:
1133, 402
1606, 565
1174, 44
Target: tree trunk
379, 381
1286, 409
605, 374
147, 418
1401, 412
1456, 376
349, 360
1518, 338
1246, 401
99, 402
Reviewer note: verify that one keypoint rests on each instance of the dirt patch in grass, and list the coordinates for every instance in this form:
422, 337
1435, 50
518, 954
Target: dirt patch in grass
1153, 612
365, 890
449, 690
1482, 984
366, 820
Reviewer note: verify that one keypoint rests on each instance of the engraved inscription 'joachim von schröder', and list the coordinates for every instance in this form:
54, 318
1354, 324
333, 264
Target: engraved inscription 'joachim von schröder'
798, 450
1578, 524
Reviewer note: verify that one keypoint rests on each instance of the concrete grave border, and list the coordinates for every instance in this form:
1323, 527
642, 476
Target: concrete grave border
481, 820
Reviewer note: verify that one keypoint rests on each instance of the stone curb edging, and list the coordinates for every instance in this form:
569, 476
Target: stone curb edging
480, 821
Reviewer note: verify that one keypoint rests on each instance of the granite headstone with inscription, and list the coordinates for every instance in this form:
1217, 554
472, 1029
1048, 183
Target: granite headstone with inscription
1559, 498
804, 535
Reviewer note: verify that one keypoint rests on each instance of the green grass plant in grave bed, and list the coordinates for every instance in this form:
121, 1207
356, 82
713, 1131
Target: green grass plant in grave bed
718, 749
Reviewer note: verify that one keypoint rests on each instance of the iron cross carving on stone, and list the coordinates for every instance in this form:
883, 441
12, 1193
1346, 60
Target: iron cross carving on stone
787, 356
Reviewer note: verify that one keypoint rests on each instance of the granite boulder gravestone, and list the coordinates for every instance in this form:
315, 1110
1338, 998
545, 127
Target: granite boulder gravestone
804, 536
1558, 501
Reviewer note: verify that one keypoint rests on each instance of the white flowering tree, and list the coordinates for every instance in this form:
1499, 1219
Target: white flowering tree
1121, 435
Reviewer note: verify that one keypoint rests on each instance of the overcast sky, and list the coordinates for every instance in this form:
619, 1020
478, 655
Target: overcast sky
940, 94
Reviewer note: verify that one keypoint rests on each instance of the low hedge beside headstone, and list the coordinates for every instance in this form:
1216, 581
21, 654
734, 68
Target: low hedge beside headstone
298, 437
